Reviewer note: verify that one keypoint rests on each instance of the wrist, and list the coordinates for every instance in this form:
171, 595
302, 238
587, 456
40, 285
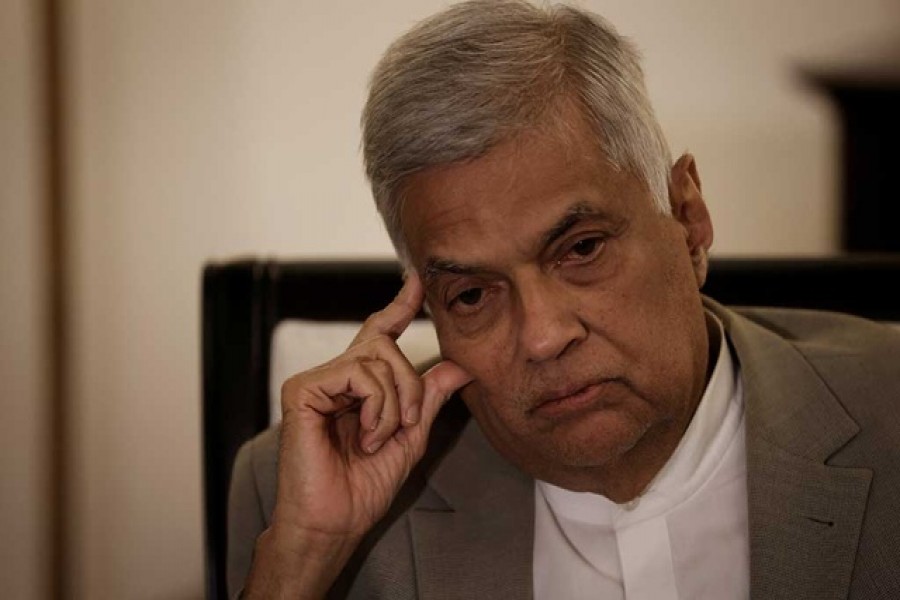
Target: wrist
297, 564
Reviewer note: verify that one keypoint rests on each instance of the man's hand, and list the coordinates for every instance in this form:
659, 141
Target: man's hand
352, 430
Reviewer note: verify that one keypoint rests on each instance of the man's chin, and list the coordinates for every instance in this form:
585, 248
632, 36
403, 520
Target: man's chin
575, 449
582, 447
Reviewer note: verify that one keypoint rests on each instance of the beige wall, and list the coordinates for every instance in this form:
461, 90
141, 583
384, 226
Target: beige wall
23, 357
207, 129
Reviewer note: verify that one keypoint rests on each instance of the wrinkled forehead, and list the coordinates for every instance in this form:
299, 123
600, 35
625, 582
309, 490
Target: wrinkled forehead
562, 147
500, 206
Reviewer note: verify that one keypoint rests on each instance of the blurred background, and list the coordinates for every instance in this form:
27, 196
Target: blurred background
139, 139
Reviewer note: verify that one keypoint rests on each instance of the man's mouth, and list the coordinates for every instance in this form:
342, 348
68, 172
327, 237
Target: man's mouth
571, 399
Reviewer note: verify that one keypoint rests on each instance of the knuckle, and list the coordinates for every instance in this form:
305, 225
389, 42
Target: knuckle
291, 388
384, 344
382, 369
374, 321
358, 367
379, 347
376, 316
293, 393
287, 387
356, 363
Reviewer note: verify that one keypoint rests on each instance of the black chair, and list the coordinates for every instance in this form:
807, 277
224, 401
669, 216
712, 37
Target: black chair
244, 300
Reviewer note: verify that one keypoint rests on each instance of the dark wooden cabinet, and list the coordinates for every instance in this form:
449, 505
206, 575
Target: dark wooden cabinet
868, 106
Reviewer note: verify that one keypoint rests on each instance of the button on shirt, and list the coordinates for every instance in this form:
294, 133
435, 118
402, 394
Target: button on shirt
686, 536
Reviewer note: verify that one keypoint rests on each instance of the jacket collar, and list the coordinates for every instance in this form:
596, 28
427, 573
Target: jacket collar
473, 536
791, 406
805, 516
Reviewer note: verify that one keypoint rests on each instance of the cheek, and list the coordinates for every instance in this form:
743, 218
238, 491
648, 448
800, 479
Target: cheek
487, 357
667, 333
642, 316
490, 397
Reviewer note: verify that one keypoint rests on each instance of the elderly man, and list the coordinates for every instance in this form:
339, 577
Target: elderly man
631, 438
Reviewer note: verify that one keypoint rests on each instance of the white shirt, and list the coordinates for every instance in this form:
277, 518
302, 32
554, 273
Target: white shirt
686, 536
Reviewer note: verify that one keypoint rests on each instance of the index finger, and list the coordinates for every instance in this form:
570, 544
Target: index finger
394, 318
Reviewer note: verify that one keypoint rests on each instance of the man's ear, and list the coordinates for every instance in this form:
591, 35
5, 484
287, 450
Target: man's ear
689, 209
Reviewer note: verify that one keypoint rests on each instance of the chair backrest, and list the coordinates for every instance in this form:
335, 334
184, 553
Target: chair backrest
244, 301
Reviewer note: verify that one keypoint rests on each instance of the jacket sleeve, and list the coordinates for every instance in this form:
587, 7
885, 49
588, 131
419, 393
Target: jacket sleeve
246, 518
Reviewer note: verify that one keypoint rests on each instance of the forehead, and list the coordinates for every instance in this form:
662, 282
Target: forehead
506, 200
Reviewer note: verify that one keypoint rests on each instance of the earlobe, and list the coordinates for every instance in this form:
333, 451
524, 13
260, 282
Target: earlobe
700, 264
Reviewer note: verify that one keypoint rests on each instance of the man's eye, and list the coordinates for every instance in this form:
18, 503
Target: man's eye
470, 297
585, 248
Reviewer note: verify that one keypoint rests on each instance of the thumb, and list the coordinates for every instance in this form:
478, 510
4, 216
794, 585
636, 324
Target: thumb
440, 382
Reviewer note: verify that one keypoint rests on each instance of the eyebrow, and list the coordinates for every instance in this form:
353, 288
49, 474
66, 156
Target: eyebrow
435, 267
575, 214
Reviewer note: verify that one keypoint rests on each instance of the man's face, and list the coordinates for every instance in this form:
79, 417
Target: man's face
573, 303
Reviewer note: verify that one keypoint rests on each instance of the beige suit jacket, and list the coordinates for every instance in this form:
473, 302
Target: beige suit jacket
822, 395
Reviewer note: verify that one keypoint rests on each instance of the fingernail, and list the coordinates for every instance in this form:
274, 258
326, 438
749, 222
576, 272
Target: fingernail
374, 424
412, 414
373, 447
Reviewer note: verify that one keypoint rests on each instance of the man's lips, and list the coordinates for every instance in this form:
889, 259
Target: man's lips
558, 403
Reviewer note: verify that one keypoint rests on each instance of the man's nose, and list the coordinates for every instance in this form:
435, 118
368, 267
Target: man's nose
549, 323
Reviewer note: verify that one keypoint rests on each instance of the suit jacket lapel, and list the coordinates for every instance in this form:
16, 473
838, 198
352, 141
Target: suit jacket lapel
805, 516
473, 532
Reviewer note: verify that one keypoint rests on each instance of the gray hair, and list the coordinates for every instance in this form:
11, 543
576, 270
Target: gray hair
480, 72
